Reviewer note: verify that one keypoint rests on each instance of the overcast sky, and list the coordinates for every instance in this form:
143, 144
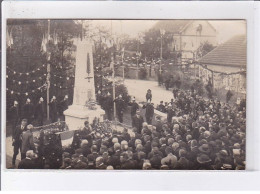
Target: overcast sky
225, 28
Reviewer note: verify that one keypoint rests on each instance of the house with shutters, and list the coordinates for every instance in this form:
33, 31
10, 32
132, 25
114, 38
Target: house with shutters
188, 36
226, 65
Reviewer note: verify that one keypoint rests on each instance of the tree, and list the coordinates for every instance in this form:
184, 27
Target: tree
27, 63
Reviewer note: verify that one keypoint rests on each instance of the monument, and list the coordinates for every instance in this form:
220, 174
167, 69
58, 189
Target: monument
84, 107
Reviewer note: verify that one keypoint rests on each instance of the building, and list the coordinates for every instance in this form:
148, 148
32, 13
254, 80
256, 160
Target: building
188, 36
226, 65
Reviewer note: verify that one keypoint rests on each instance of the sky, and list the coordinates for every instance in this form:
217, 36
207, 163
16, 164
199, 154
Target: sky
225, 28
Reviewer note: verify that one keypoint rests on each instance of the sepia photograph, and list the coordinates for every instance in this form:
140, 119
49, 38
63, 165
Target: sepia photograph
126, 94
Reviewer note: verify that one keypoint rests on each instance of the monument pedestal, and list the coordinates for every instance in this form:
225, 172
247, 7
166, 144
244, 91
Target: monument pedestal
76, 115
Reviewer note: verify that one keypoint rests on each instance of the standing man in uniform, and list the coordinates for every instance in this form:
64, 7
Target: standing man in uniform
14, 113
120, 104
28, 111
53, 109
39, 112
17, 141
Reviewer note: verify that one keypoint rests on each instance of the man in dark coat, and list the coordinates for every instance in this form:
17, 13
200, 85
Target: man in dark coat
16, 137
170, 113
149, 112
28, 111
27, 141
53, 109
161, 107
134, 107
138, 121
39, 112
108, 106
14, 115
63, 105
120, 105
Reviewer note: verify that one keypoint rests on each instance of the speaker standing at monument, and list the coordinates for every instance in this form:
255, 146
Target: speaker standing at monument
53, 109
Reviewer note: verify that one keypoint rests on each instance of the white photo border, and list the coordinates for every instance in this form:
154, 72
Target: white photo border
132, 179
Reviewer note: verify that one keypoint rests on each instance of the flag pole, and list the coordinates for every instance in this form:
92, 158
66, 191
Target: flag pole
48, 74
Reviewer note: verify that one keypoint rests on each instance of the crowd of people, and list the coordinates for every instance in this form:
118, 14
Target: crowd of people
198, 134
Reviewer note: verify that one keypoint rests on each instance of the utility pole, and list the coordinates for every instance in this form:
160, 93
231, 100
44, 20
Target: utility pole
137, 59
48, 72
113, 75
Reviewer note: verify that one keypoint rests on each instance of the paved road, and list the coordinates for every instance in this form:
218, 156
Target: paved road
138, 88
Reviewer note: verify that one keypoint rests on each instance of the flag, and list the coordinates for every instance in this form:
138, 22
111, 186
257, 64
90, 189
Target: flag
55, 38
9, 39
43, 45
123, 52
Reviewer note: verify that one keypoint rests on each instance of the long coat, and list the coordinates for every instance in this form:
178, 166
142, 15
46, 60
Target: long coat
27, 141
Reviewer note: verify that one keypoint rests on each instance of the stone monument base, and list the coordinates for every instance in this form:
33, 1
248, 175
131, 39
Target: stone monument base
76, 115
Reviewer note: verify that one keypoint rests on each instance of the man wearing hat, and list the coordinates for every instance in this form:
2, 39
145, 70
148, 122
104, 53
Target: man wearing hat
53, 109
63, 105
16, 138
27, 141
14, 115
108, 106
28, 110
137, 121
39, 111
120, 105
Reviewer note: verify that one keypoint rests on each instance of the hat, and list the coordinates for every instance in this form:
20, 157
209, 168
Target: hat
207, 134
84, 142
54, 97
99, 161
28, 100
203, 158
115, 140
204, 148
41, 99
124, 142
194, 143
29, 127
117, 146
108, 94
223, 153
15, 102
66, 96
110, 167
120, 96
